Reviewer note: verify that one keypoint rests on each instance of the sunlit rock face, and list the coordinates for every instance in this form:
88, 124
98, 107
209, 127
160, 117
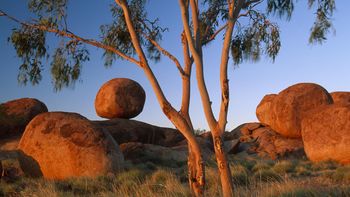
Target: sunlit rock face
263, 110
120, 98
341, 97
285, 111
16, 114
59, 145
326, 134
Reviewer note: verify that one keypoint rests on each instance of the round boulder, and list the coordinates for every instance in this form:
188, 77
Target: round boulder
291, 105
61, 145
326, 134
341, 98
120, 98
263, 110
16, 114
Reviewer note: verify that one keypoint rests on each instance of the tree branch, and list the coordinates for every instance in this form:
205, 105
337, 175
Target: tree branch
212, 37
197, 56
233, 14
73, 36
166, 53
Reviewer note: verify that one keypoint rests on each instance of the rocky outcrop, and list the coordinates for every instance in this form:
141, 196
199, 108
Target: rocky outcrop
120, 98
285, 111
16, 114
326, 134
259, 139
141, 153
124, 131
342, 98
61, 145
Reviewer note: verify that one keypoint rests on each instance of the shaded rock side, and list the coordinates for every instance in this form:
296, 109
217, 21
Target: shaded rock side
16, 114
61, 145
267, 143
326, 134
120, 98
142, 153
124, 131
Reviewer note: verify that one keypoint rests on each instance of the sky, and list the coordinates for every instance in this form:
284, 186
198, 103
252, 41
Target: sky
297, 62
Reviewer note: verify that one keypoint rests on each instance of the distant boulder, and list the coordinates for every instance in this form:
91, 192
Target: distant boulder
120, 98
326, 134
124, 130
286, 110
341, 98
16, 114
61, 145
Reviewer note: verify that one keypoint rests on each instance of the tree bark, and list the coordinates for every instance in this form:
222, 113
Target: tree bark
223, 165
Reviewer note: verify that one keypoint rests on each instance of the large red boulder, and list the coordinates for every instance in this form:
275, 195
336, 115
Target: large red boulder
16, 114
286, 110
326, 134
61, 145
120, 98
341, 97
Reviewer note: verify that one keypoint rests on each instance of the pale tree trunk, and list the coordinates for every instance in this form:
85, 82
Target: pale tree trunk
217, 127
181, 122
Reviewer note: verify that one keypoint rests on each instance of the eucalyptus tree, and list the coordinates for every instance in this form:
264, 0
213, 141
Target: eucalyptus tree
245, 26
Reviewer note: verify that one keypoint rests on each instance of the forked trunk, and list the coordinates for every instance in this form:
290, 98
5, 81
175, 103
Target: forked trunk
224, 168
197, 188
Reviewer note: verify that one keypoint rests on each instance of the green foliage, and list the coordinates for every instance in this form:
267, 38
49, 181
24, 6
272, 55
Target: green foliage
283, 167
259, 37
117, 34
280, 8
30, 46
52, 13
322, 23
66, 64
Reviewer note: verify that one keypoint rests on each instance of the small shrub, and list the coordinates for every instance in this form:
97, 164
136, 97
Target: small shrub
283, 167
267, 175
239, 175
212, 186
324, 165
342, 174
260, 166
302, 171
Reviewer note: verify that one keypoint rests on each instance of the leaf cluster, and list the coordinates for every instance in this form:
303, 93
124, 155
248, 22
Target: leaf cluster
117, 35
259, 37
67, 63
30, 46
52, 13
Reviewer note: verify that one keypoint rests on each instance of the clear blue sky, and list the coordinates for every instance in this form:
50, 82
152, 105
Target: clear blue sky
327, 65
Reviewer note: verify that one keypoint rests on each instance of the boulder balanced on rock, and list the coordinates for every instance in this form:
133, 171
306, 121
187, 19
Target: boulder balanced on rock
285, 111
16, 114
61, 145
120, 98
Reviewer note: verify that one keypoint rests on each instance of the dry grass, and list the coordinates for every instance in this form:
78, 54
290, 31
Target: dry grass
251, 177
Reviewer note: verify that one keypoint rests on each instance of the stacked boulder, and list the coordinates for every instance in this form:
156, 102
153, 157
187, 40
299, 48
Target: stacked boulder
307, 111
120, 98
